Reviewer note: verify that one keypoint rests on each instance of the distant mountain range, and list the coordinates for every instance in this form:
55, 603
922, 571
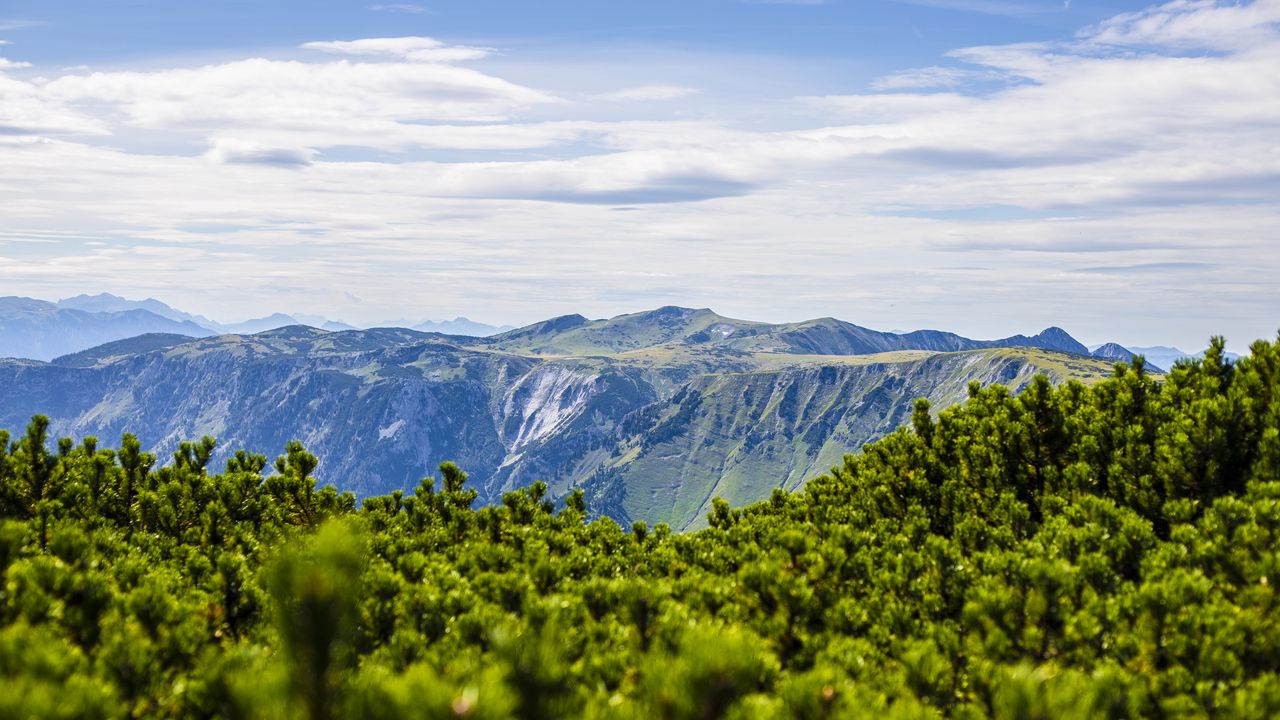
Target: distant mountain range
42, 330
652, 413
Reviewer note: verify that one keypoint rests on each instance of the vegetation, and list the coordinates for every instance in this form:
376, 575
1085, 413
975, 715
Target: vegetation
1104, 551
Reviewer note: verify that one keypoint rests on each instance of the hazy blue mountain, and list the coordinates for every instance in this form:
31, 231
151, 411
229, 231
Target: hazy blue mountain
42, 330
682, 406
1118, 353
108, 303
336, 326
273, 321
1165, 356
461, 326
1111, 351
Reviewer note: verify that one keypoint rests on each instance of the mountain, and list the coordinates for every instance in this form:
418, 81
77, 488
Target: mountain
1112, 351
575, 335
1166, 356
43, 330
37, 329
1117, 353
108, 303
273, 321
461, 326
650, 413
120, 349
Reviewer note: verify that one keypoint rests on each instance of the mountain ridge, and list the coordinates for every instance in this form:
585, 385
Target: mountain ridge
686, 396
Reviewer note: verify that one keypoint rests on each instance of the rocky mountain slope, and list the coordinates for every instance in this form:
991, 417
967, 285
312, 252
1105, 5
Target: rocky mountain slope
652, 414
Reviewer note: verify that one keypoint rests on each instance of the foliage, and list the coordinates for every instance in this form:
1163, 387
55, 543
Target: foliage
1106, 551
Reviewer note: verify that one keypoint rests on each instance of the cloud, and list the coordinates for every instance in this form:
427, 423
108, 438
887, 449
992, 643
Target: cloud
876, 108
402, 8
7, 64
241, 153
408, 178
646, 93
1193, 24
931, 77
25, 109
385, 104
1161, 267
412, 49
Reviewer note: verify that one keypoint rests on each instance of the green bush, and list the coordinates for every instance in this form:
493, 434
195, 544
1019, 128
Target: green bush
1071, 552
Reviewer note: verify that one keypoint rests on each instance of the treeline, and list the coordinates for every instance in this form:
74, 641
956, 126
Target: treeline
1106, 551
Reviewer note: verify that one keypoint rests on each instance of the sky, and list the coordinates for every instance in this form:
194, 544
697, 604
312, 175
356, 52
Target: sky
987, 167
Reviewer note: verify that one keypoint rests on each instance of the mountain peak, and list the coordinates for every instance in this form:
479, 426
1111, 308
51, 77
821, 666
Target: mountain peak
1113, 350
675, 310
553, 326
1119, 353
1053, 332
1055, 338
96, 296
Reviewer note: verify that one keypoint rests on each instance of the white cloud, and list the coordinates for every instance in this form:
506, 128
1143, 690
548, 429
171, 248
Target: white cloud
647, 93
879, 108
930, 77
243, 153
402, 8
413, 49
1193, 24
1117, 148
384, 105
26, 110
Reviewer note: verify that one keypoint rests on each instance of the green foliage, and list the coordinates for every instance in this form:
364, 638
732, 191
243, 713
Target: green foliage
1070, 552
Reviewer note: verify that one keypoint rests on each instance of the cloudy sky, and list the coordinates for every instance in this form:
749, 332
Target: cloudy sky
981, 166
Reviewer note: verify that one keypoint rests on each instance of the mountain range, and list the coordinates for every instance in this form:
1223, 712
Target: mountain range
42, 330
652, 414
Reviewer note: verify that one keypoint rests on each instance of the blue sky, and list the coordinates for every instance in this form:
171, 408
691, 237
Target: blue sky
866, 33
983, 166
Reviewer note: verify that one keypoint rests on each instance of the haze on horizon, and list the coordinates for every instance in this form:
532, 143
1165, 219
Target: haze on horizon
981, 166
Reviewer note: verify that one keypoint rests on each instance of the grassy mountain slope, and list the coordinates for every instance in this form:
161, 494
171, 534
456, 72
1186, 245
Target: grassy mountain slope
739, 435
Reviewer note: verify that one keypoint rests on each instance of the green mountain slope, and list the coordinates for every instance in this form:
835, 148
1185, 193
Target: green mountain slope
739, 435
